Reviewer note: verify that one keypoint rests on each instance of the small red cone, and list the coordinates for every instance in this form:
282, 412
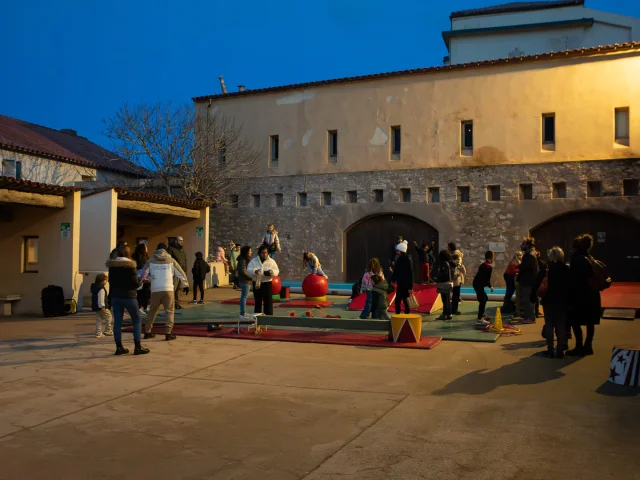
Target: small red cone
292, 314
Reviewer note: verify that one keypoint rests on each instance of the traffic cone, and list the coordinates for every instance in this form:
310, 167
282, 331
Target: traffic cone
497, 322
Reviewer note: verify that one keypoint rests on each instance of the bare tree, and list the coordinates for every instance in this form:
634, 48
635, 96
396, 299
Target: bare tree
194, 155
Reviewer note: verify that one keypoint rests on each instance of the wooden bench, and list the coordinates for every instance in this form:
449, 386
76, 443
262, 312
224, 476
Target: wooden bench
7, 299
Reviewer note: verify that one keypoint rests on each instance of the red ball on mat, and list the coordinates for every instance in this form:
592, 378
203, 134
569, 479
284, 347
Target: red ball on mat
292, 314
276, 285
315, 286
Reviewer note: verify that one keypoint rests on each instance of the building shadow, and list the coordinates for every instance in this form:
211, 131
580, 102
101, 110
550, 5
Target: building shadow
612, 390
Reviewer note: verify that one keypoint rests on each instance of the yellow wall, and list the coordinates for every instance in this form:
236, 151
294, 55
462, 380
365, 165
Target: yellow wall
58, 257
98, 230
505, 103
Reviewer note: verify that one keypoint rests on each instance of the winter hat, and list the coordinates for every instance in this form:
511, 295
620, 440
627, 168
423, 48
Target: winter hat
402, 247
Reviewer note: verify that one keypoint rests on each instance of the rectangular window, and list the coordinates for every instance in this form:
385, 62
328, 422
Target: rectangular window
256, 201
233, 199
559, 190
333, 146
594, 189
279, 199
463, 194
493, 193
88, 178
378, 195
274, 151
434, 195
548, 131
630, 188
622, 126
12, 168
326, 199
302, 199
526, 191
466, 140
31, 247
222, 153
352, 196
396, 140
405, 193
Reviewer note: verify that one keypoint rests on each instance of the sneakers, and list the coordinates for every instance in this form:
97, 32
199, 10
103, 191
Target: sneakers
481, 323
200, 302
109, 333
576, 352
192, 302
487, 318
178, 306
169, 336
149, 335
142, 312
528, 321
457, 313
99, 335
587, 350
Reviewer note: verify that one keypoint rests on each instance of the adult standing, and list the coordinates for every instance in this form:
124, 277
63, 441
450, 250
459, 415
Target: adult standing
510, 280
262, 270
141, 256
244, 279
161, 269
555, 301
123, 290
271, 240
180, 256
527, 275
542, 272
403, 276
584, 295
444, 282
233, 264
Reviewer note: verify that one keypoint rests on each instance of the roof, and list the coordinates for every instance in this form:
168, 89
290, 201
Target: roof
579, 52
126, 194
516, 7
10, 183
30, 138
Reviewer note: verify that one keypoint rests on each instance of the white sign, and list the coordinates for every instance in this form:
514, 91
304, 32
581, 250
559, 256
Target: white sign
496, 247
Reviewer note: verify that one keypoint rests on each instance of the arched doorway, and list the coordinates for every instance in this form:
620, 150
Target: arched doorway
616, 239
376, 236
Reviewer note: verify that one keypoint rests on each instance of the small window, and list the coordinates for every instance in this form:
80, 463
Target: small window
622, 126
279, 199
326, 199
352, 196
233, 200
548, 130
467, 137
378, 195
630, 188
333, 146
405, 193
396, 140
559, 190
594, 189
12, 168
88, 178
463, 194
31, 247
493, 193
434, 195
256, 201
275, 151
526, 191
302, 199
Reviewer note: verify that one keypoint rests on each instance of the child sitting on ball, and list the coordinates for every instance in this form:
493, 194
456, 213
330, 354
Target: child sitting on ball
312, 264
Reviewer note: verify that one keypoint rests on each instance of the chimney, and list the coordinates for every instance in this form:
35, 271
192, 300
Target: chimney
224, 89
69, 131
241, 88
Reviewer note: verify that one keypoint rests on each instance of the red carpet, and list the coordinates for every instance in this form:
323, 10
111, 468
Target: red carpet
333, 338
302, 303
621, 295
425, 294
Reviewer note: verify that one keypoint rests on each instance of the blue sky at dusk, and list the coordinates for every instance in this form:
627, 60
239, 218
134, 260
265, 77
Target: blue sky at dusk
71, 63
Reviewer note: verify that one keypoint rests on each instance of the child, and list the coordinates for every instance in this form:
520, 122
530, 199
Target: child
481, 280
100, 305
199, 271
459, 271
380, 298
424, 254
444, 282
312, 264
373, 268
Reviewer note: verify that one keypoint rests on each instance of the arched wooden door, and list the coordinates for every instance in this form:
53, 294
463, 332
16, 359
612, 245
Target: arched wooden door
376, 237
616, 240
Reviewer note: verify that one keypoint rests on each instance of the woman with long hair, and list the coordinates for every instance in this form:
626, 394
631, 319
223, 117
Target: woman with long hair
244, 279
373, 268
311, 263
141, 256
271, 240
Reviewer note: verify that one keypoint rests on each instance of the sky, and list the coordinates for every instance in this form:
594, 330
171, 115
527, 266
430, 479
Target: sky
72, 63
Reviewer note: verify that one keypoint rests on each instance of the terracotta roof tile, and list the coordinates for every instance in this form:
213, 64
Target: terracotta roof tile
10, 183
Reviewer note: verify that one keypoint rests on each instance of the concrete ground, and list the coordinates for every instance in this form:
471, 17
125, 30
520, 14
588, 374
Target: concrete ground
200, 408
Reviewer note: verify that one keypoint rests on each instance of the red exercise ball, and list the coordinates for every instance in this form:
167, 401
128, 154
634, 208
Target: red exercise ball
315, 286
276, 285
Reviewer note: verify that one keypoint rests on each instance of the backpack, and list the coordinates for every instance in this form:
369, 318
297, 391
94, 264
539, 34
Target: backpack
600, 280
53, 304
444, 272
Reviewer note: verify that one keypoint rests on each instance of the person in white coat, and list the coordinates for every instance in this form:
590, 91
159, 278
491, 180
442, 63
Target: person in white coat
160, 270
262, 269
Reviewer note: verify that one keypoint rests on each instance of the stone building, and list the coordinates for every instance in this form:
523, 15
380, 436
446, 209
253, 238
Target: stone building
481, 154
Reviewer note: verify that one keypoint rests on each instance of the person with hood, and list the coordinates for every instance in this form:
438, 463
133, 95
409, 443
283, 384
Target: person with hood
180, 256
123, 290
380, 298
271, 240
527, 275
425, 251
199, 271
262, 270
403, 277
161, 270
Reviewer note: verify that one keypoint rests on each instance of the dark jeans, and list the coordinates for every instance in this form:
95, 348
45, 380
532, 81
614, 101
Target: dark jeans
367, 305
198, 284
446, 304
263, 295
555, 318
507, 304
482, 298
119, 305
455, 300
577, 332
399, 301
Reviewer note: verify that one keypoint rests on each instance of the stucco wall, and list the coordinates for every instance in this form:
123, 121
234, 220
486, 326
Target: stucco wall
58, 257
98, 230
505, 103
44, 170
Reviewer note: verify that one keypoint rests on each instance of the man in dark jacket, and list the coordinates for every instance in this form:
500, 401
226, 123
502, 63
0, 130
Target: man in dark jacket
176, 250
527, 276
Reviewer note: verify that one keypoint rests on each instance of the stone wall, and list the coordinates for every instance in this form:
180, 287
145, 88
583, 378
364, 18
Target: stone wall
471, 225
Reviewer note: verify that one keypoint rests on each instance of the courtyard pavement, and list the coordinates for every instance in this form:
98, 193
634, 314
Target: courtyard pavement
199, 408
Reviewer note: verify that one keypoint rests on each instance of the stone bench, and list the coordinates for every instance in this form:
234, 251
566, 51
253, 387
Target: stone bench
7, 299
